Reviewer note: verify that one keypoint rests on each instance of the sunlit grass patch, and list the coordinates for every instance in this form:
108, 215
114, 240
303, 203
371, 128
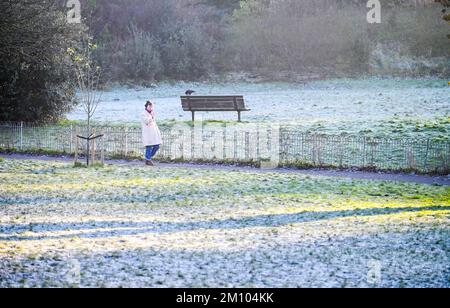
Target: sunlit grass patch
200, 221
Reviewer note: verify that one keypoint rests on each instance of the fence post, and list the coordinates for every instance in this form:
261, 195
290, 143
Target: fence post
364, 152
282, 142
314, 148
93, 149
319, 150
373, 147
235, 145
71, 139
126, 141
181, 144
21, 136
76, 145
103, 148
247, 145
258, 151
425, 164
224, 143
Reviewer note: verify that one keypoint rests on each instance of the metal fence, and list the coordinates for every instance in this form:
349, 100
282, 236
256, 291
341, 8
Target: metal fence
284, 145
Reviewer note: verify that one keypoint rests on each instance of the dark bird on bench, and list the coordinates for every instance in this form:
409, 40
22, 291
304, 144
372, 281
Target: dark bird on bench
189, 92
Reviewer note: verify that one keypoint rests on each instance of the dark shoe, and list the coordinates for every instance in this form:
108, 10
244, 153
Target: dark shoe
149, 163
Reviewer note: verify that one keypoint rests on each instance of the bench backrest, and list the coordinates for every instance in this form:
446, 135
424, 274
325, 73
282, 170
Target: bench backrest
213, 103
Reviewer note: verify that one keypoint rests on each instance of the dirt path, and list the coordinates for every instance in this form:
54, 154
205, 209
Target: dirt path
411, 178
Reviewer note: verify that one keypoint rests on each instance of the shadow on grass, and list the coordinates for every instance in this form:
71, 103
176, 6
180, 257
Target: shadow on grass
93, 229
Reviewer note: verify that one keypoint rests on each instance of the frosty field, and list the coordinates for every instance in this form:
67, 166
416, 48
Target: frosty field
125, 225
382, 107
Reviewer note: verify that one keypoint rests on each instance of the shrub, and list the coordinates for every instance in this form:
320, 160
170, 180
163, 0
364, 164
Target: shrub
36, 80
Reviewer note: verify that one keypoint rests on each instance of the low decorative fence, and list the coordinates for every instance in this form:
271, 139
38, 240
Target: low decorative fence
284, 146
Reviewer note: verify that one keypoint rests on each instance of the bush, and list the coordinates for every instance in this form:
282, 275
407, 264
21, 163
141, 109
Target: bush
301, 36
36, 77
157, 39
79, 165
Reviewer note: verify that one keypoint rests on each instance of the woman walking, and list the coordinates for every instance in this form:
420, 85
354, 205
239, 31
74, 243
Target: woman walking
151, 136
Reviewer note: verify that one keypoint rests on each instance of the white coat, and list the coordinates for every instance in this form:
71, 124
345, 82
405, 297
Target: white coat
150, 130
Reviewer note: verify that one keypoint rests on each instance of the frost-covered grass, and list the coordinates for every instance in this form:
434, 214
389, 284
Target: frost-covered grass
180, 227
410, 108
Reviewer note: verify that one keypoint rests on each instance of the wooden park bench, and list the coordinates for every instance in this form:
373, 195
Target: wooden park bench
213, 103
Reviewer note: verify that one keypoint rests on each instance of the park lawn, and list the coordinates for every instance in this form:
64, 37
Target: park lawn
128, 225
377, 107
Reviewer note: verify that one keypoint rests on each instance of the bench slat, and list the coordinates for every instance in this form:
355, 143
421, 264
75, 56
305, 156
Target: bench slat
213, 97
194, 103
214, 103
229, 105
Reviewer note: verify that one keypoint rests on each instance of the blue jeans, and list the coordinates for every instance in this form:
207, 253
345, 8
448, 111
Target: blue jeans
150, 151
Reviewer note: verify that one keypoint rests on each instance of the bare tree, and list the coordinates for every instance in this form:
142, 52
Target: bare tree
88, 82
